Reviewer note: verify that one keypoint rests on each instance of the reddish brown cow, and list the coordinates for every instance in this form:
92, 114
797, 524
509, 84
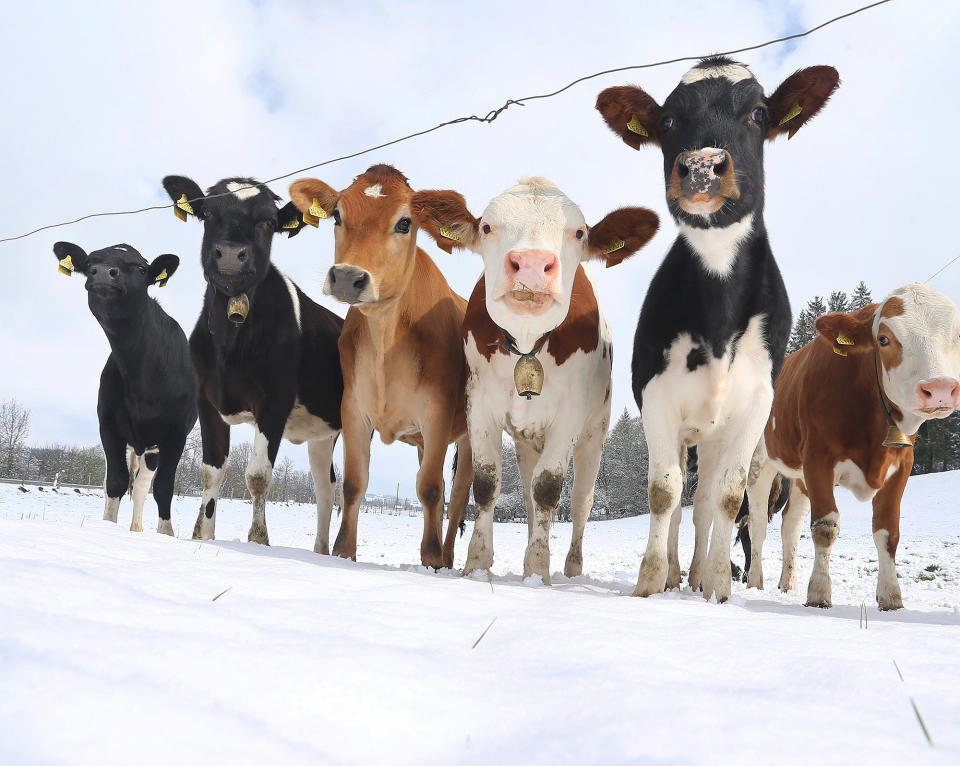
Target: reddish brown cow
403, 366
887, 366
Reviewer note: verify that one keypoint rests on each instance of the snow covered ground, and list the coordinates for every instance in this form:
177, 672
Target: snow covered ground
117, 647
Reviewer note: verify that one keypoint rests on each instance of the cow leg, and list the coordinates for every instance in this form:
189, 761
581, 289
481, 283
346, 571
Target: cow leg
790, 527
547, 486
321, 468
527, 457
487, 443
762, 474
357, 433
664, 485
258, 477
459, 497
116, 480
586, 466
673, 553
702, 516
147, 467
215, 436
886, 536
430, 491
824, 529
163, 483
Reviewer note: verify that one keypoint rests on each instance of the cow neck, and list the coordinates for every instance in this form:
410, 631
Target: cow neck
129, 343
225, 333
895, 431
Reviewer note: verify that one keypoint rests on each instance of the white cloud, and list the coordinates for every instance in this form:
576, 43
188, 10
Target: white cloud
100, 106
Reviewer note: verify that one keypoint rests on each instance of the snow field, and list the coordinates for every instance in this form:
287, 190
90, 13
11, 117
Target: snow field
117, 646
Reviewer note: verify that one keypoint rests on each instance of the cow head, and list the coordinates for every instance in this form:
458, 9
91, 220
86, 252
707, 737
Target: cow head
240, 218
117, 276
375, 238
915, 335
711, 129
532, 238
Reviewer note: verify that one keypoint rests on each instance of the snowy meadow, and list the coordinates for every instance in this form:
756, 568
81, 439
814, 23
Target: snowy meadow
119, 647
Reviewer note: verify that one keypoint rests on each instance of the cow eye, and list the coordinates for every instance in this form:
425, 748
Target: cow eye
266, 223
759, 115
336, 217
403, 226
883, 340
579, 233
142, 269
666, 122
486, 228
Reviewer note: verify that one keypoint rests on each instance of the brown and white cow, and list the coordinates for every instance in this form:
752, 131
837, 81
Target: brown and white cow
400, 350
535, 300
893, 363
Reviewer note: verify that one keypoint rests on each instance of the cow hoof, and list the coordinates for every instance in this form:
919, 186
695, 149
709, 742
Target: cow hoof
344, 552
258, 536
136, 527
754, 581
819, 604
573, 566
674, 576
890, 603
323, 550
165, 527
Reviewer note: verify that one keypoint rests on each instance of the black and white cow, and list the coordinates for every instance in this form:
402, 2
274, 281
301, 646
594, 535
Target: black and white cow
714, 324
147, 401
265, 353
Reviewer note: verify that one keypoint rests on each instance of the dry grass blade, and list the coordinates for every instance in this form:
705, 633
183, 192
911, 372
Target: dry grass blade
484, 633
224, 591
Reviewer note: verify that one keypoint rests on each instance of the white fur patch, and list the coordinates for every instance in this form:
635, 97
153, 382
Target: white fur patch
294, 298
375, 191
717, 247
733, 72
242, 191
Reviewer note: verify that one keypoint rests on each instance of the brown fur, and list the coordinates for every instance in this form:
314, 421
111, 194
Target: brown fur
580, 330
620, 103
404, 371
811, 88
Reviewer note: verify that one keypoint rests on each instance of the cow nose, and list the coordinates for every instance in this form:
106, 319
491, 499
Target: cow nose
939, 392
532, 270
702, 171
231, 258
113, 272
347, 283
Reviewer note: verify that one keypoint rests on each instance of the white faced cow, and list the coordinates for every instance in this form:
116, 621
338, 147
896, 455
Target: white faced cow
892, 364
714, 324
535, 301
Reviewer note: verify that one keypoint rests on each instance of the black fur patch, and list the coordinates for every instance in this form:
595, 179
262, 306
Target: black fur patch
547, 488
484, 485
333, 475
211, 508
696, 358
152, 459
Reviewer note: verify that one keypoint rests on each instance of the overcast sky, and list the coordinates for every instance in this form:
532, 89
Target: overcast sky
102, 100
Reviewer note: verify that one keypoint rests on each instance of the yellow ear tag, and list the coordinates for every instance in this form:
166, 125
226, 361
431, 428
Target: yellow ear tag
182, 207
839, 351
314, 213
447, 232
635, 126
293, 224
162, 278
794, 111
66, 266
845, 340
617, 244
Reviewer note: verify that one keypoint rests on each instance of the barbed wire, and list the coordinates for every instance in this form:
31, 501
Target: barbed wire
489, 117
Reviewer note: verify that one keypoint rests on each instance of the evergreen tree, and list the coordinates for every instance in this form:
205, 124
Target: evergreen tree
861, 297
838, 301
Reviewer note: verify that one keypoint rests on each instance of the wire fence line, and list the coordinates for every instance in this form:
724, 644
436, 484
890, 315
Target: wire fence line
489, 117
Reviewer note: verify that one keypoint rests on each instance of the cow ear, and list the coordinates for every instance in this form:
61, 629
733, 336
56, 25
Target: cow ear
847, 333
314, 199
162, 269
631, 114
70, 258
445, 217
620, 234
289, 220
188, 198
799, 98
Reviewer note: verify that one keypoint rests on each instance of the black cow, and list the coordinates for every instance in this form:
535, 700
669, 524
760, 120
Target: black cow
265, 353
147, 402
714, 324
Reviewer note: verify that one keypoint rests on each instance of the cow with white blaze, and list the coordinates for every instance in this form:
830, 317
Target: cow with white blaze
535, 307
713, 328
265, 353
147, 399
840, 403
